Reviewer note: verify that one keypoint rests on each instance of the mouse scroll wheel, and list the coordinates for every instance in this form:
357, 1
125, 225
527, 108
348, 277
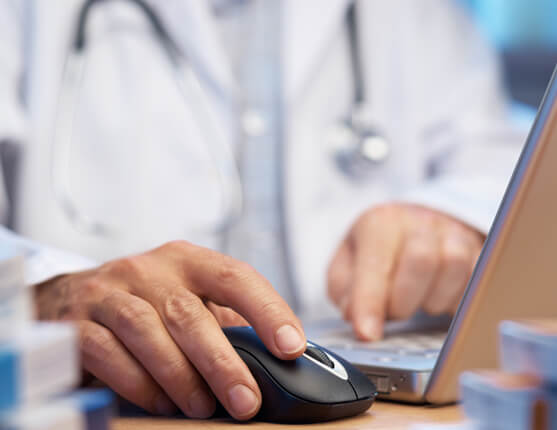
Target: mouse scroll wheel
319, 355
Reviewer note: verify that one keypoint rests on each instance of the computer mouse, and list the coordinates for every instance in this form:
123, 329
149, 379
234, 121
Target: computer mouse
318, 386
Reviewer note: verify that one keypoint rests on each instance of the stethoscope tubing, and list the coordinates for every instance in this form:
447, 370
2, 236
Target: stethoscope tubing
190, 87
192, 81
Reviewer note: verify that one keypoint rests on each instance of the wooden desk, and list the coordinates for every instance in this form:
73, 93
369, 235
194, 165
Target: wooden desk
382, 415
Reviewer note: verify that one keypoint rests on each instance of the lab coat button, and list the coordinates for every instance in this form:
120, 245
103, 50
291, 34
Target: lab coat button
253, 123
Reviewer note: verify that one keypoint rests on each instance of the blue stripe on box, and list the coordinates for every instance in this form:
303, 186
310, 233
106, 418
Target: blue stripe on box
98, 406
8, 379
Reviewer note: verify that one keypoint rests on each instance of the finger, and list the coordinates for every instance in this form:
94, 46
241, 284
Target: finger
339, 276
228, 282
416, 269
198, 334
476, 250
136, 323
221, 279
456, 257
376, 241
104, 356
226, 317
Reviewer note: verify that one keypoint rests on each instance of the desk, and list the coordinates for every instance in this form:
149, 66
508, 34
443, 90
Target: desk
381, 416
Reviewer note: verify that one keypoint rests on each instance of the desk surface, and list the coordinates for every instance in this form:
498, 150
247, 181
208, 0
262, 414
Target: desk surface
382, 415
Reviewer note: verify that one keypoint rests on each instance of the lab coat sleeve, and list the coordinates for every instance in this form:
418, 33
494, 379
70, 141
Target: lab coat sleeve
41, 262
471, 142
12, 125
12, 120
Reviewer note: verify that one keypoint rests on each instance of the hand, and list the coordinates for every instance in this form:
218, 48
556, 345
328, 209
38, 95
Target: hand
149, 327
397, 259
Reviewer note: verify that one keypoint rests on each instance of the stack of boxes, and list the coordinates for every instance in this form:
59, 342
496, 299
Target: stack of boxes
39, 366
522, 395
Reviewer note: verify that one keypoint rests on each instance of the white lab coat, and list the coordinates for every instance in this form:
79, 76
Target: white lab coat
431, 85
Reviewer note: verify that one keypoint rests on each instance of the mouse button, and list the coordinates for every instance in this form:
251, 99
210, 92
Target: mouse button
308, 380
361, 384
319, 355
243, 337
277, 404
280, 406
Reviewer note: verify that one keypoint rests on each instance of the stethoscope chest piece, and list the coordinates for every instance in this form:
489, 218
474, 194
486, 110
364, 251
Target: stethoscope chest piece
359, 146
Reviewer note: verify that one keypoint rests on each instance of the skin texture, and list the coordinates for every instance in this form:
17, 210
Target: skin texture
398, 258
150, 327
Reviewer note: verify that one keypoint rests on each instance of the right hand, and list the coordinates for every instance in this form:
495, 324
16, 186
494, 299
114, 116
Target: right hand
150, 327
398, 258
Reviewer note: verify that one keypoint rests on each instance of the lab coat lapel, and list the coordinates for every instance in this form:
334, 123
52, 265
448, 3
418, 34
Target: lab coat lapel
196, 31
308, 27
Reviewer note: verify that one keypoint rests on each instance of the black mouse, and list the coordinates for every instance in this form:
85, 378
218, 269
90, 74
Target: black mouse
318, 386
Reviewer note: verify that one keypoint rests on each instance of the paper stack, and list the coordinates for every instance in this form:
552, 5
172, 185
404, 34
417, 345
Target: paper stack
15, 299
39, 366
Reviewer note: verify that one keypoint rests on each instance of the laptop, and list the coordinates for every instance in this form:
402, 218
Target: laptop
515, 277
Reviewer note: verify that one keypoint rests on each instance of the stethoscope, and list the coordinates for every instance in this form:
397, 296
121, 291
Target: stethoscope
189, 84
358, 146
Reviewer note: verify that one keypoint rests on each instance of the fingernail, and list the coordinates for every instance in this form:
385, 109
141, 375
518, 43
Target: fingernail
242, 400
369, 328
289, 340
201, 404
164, 406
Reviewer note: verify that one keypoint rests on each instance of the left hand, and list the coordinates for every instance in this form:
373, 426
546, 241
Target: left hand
398, 258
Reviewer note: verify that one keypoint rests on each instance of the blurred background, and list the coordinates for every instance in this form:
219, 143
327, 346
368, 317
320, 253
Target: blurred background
525, 33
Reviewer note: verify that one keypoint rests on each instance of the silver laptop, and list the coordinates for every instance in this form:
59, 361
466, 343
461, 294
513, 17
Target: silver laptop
515, 277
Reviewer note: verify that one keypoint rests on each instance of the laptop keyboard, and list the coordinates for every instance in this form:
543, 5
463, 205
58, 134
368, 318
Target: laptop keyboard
425, 345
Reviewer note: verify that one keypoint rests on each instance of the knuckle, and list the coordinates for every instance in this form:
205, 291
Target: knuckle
183, 311
377, 216
92, 286
74, 302
420, 259
178, 245
401, 288
219, 362
135, 313
133, 266
272, 309
384, 211
89, 287
456, 257
99, 344
178, 371
230, 271
366, 218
